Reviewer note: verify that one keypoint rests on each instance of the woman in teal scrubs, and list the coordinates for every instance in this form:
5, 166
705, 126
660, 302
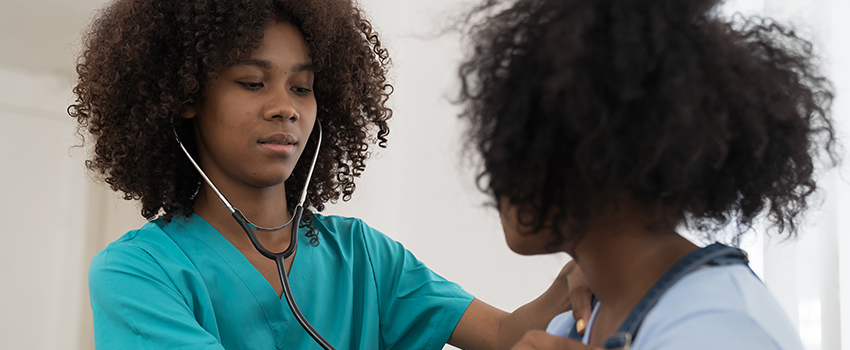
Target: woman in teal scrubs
244, 83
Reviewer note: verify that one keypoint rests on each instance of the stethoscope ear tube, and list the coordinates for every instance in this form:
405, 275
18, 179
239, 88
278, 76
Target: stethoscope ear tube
293, 243
237, 215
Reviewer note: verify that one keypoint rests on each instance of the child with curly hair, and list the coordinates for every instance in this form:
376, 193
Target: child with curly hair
243, 84
606, 126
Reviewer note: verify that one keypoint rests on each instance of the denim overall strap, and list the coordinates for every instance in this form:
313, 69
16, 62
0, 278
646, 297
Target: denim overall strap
715, 255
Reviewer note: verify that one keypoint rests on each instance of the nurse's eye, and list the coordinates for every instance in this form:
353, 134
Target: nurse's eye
302, 90
250, 85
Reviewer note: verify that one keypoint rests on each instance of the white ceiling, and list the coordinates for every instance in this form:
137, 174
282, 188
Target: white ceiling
43, 35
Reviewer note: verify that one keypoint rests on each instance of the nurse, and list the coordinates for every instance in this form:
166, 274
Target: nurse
244, 84
607, 127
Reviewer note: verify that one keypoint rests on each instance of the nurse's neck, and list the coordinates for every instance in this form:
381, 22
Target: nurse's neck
622, 254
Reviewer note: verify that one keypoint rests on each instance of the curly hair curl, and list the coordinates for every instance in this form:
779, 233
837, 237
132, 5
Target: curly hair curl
144, 59
572, 103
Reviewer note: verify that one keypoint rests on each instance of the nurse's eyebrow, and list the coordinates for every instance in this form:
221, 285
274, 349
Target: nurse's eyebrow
254, 62
264, 64
302, 67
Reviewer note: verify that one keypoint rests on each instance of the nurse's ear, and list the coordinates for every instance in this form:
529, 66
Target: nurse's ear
189, 109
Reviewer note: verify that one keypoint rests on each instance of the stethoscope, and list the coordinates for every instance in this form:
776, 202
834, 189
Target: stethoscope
278, 258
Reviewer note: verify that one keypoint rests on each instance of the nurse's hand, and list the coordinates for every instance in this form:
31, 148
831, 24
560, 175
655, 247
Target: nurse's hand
540, 340
579, 294
485, 327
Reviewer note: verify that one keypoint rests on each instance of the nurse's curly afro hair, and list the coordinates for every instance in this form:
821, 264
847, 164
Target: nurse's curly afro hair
144, 59
704, 121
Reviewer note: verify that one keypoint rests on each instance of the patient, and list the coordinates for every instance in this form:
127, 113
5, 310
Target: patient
607, 127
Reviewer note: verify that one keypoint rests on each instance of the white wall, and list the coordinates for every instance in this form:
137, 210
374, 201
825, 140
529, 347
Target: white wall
43, 212
50, 216
810, 276
418, 191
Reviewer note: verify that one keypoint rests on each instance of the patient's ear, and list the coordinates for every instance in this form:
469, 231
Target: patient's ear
189, 109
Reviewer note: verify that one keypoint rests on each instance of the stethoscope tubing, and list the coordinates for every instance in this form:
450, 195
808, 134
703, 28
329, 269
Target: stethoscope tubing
279, 258
281, 269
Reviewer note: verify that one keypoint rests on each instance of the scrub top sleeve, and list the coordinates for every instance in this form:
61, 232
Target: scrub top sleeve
136, 305
418, 308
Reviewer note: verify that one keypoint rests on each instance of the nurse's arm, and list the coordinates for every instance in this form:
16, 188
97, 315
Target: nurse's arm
483, 326
137, 305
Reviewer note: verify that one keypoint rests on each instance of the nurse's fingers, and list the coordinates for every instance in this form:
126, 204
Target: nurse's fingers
540, 340
580, 295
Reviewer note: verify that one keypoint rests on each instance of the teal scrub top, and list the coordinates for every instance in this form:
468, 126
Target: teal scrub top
182, 285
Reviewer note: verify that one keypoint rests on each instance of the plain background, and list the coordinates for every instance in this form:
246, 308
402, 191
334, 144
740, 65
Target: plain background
419, 191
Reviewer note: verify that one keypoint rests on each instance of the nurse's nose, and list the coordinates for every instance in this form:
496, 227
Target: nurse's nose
281, 106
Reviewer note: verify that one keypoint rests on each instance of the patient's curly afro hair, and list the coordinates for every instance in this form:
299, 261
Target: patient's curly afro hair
574, 103
143, 59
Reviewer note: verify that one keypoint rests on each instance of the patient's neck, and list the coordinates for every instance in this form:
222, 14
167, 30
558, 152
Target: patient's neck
622, 256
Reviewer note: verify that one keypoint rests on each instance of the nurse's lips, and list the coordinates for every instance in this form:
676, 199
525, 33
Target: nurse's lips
279, 143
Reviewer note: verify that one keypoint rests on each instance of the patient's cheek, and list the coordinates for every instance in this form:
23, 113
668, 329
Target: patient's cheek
521, 242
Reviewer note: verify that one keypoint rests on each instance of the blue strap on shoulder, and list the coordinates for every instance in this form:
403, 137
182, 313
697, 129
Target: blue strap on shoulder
713, 255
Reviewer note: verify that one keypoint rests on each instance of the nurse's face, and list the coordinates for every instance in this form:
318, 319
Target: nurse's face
255, 119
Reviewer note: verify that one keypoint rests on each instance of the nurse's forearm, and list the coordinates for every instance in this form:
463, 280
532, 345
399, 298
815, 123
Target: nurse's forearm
536, 314
485, 327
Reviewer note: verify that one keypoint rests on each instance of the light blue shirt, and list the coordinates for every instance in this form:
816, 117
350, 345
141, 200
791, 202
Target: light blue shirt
721, 307
182, 285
